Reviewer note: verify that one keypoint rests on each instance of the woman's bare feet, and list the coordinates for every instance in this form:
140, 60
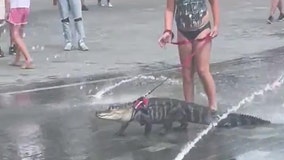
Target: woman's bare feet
27, 65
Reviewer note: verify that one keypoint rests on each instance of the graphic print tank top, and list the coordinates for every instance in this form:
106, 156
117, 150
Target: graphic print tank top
189, 14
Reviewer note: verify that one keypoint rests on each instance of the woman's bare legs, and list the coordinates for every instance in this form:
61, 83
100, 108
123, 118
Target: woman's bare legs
273, 6
199, 63
17, 31
187, 70
280, 8
202, 62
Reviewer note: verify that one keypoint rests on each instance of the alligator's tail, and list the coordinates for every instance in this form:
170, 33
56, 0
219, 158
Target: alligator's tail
235, 120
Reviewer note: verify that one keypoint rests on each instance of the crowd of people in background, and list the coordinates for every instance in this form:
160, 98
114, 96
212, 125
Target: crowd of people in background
193, 27
15, 14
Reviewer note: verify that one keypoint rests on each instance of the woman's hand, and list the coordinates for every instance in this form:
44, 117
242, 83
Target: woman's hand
214, 32
164, 39
168, 17
216, 17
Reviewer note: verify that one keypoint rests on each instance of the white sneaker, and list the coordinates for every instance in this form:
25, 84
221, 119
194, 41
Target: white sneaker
109, 5
83, 46
68, 47
100, 4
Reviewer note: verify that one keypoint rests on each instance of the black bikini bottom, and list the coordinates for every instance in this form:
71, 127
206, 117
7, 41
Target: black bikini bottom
191, 35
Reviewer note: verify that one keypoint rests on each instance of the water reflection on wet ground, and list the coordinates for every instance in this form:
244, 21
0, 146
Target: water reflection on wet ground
60, 124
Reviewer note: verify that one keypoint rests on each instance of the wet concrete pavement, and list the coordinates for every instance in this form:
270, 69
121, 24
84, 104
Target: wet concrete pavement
133, 41
60, 124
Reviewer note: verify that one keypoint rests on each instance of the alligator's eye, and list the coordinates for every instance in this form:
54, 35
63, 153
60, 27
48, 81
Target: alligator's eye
111, 107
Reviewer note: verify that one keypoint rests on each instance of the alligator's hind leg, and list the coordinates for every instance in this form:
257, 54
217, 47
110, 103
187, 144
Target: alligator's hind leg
181, 115
183, 125
168, 123
121, 131
173, 115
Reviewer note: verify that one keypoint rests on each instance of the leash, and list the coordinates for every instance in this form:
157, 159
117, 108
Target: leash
152, 90
184, 42
141, 99
190, 56
149, 92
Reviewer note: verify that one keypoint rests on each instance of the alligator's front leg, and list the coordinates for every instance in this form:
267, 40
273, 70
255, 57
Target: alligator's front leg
145, 119
176, 114
148, 128
121, 131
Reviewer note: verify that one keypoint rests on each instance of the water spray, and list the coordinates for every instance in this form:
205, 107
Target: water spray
190, 145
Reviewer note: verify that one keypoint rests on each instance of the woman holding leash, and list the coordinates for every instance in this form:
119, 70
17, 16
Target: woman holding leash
194, 34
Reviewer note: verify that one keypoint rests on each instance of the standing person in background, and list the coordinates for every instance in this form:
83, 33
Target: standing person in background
12, 48
193, 26
73, 6
108, 3
273, 6
2, 22
18, 12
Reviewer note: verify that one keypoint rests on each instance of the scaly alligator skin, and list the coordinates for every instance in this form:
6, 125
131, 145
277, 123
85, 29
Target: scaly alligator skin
166, 111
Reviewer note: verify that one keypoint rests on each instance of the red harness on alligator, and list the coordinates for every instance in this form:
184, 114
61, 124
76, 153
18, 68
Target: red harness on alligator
207, 38
141, 103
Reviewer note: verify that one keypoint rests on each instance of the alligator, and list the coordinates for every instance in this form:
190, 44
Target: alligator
166, 111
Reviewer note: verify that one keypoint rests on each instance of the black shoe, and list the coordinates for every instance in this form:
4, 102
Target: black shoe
269, 20
1, 53
281, 17
84, 8
12, 50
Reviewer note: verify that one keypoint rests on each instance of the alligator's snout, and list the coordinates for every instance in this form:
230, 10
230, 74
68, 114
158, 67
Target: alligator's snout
117, 113
109, 115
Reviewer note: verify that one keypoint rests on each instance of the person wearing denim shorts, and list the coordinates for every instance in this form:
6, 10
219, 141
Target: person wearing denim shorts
17, 12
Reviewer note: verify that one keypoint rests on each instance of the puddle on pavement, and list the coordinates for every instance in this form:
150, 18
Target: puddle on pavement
59, 123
